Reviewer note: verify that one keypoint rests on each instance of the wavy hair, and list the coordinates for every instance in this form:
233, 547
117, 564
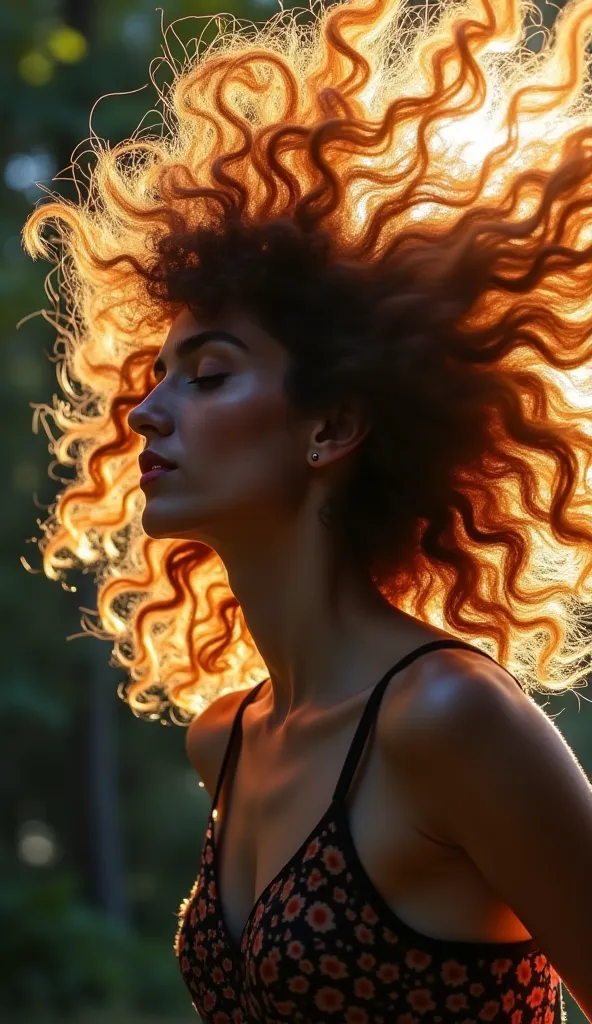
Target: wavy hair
404, 200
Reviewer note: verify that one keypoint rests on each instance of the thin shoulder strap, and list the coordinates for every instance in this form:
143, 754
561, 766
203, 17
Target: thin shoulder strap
236, 725
373, 704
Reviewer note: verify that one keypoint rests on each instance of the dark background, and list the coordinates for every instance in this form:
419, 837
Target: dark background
102, 817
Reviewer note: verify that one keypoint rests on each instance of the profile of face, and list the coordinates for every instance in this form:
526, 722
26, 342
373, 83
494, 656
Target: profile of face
241, 459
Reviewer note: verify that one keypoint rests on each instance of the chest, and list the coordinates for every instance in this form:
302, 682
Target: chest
271, 799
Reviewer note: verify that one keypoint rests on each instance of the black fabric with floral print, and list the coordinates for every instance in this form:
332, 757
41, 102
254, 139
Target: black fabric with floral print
322, 945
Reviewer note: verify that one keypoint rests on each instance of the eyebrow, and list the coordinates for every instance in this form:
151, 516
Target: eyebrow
194, 341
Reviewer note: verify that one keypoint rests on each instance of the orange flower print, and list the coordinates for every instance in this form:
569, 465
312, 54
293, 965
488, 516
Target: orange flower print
388, 973
364, 988
312, 849
320, 917
333, 966
258, 914
490, 1010
366, 962
217, 976
333, 860
209, 1001
501, 966
420, 999
456, 1002
258, 942
535, 996
356, 1015
268, 970
335, 959
453, 973
508, 1000
369, 915
299, 984
524, 972
293, 907
315, 880
418, 959
287, 889
295, 949
286, 1007
329, 1000
363, 934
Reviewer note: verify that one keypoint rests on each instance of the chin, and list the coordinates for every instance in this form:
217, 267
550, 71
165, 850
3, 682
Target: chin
156, 532
160, 527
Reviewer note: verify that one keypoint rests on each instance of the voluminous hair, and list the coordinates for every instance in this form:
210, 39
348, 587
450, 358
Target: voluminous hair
403, 199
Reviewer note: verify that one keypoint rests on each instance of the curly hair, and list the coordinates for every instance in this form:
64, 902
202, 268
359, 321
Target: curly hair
404, 201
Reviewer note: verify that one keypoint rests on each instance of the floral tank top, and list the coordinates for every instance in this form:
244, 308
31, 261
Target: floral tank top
322, 945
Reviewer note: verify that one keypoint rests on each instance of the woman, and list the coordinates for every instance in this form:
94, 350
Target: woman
360, 252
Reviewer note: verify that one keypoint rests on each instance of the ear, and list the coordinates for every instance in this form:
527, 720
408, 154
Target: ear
341, 432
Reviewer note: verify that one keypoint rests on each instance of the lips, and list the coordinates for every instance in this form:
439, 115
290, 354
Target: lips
155, 474
151, 460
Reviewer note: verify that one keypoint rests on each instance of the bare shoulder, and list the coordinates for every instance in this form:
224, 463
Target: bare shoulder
207, 737
449, 695
447, 687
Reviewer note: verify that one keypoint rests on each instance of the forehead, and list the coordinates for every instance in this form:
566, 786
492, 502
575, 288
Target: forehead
244, 327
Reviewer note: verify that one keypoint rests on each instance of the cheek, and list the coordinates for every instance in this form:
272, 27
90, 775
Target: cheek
247, 434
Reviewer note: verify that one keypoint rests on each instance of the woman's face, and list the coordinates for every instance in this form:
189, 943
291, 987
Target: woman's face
241, 465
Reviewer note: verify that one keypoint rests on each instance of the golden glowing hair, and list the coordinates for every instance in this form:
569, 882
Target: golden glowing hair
404, 196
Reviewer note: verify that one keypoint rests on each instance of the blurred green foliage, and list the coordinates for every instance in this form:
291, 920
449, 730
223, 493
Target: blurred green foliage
57, 951
102, 817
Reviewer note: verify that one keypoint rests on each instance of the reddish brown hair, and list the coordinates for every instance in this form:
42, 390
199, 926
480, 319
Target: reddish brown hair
407, 208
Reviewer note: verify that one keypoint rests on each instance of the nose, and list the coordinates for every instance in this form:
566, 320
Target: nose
150, 415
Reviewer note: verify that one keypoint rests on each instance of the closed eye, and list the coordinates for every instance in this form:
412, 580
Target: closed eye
205, 382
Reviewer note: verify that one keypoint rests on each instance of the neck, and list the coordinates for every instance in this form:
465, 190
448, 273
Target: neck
323, 633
